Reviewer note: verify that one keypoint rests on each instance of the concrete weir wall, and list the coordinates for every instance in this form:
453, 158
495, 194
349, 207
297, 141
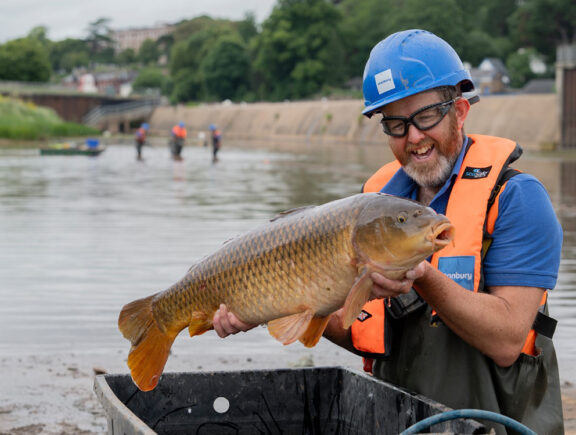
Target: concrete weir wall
531, 120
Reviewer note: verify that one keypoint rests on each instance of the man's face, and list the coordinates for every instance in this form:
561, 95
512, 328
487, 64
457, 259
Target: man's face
428, 156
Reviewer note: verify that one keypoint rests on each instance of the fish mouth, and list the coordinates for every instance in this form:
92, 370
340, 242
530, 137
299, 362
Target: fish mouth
441, 235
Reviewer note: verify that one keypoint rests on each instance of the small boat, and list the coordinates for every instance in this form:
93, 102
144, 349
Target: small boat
92, 147
326, 400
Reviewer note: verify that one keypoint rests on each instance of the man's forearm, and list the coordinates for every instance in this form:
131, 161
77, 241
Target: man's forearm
337, 334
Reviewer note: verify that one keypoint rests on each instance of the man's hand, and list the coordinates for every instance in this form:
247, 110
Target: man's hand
390, 288
225, 323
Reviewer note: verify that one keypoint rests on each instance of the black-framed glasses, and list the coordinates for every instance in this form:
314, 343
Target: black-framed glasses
423, 119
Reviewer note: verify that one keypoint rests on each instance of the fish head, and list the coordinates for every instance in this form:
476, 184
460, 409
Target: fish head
394, 234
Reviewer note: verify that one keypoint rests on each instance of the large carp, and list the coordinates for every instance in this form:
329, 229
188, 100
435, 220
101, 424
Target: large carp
291, 273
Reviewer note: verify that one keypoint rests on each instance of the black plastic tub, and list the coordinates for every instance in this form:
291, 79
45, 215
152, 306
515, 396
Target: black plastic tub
288, 401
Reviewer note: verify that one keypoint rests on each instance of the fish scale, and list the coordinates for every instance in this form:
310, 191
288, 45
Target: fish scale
290, 273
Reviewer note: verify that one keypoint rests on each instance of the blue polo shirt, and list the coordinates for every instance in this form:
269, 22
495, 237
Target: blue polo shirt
527, 238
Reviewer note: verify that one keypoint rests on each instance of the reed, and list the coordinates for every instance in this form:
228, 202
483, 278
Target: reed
21, 120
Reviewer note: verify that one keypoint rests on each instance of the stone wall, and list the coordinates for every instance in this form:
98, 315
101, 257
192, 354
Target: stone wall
531, 120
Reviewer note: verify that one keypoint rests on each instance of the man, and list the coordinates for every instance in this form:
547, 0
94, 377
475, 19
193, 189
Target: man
216, 137
468, 327
141, 139
178, 136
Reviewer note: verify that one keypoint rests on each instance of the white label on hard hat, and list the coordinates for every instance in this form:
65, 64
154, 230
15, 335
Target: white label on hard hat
384, 81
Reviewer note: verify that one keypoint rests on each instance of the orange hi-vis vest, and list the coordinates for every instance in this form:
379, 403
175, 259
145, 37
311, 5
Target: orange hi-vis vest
141, 133
179, 132
473, 206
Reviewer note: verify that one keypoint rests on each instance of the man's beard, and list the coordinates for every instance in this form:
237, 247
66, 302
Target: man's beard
436, 175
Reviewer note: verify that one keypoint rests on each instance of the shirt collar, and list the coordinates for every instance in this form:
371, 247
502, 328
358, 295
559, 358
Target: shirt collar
402, 185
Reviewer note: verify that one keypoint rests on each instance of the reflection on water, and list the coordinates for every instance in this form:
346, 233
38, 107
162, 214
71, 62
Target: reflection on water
82, 236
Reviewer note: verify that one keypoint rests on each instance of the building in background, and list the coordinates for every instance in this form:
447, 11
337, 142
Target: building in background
133, 38
491, 76
112, 82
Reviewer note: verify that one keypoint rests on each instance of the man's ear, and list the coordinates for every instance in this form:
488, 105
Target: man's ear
462, 106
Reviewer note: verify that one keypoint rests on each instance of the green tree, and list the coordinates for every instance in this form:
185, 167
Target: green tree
186, 86
126, 57
69, 53
187, 55
40, 34
164, 44
477, 46
299, 49
148, 53
432, 15
247, 27
366, 22
518, 65
185, 59
99, 41
544, 24
150, 78
24, 60
226, 69
74, 59
187, 28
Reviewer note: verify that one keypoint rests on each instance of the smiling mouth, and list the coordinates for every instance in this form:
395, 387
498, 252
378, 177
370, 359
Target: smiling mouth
422, 152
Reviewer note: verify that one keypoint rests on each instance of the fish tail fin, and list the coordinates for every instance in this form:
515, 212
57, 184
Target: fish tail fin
150, 344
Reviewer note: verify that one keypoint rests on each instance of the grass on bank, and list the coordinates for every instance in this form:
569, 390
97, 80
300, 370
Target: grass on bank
20, 120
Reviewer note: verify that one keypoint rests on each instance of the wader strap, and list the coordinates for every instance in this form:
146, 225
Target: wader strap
544, 325
404, 304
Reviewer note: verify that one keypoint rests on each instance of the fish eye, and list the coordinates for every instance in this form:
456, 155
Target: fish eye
401, 218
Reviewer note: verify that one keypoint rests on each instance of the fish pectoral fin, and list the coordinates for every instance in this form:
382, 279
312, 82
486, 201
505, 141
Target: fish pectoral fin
315, 330
357, 297
199, 324
290, 328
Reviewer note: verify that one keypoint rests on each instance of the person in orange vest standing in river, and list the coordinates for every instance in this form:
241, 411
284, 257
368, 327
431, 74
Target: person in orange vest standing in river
469, 327
140, 139
178, 136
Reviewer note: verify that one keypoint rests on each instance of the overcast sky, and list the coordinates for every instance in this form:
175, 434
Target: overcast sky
70, 18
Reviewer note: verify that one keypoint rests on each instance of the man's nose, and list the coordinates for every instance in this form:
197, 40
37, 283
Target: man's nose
414, 135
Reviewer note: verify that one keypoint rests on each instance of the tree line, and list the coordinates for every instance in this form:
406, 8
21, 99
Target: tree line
304, 49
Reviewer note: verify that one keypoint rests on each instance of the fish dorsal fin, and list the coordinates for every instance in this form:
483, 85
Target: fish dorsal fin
357, 297
315, 330
291, 212
290, 328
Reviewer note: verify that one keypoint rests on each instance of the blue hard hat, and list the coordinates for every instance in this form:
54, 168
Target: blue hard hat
145, 126
407, 63
212, 127
181, 124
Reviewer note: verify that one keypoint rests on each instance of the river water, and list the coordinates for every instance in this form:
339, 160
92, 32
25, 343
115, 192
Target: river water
80, 237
